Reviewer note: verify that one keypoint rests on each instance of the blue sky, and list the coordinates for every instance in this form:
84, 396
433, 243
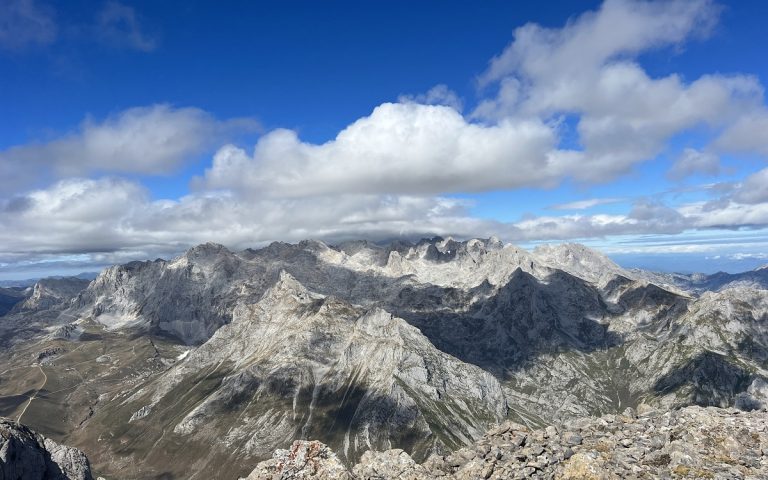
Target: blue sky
132, 130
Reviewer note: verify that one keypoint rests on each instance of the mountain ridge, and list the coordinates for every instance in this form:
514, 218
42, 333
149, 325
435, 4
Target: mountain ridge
262, 347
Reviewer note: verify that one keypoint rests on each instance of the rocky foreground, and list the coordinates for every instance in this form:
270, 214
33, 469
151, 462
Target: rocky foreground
692, 442
27, 455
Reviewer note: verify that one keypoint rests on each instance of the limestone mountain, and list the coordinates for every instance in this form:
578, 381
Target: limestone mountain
217, 358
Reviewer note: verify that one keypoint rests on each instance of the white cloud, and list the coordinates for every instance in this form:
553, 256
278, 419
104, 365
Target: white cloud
586, 204
26, 23
89, 222
109, 215
726, 215
402, 149
385, 174
748, 256
619, 28
588, 69
747, 134
72, 216
754, 189
693, 161
145, 140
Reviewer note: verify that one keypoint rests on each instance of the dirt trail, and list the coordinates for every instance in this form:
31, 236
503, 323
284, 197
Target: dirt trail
34, 395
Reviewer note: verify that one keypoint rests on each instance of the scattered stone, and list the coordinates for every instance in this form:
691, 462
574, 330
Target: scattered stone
692, 442
572, 438
644, 410
312, 459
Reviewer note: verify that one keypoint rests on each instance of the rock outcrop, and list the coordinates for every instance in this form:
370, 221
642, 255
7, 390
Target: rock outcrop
26, 455
50, 292
693, 442
304, 460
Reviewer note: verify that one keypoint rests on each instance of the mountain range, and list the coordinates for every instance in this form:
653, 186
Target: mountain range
217, 358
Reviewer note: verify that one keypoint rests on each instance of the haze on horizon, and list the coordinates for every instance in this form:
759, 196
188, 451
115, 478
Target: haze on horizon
134, 130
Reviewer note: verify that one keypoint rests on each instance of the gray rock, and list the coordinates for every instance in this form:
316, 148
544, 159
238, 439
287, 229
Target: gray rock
27, 455
723, 444
304, 460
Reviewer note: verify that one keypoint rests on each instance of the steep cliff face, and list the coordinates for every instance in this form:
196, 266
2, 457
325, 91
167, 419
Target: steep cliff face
297, 364
188, 298
51, 292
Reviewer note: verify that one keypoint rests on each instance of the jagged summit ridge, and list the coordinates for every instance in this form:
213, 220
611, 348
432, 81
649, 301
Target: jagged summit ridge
579, 260
175, 296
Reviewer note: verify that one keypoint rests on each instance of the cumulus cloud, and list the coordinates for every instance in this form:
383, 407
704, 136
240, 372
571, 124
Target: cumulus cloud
728, 214
145, 140
588, 69
111, 218
26, 23
400, 148
618, 28
693, 161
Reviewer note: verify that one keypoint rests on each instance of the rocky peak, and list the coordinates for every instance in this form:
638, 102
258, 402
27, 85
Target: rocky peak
49, 292
303, 460
206, 249
578, 260
27, 455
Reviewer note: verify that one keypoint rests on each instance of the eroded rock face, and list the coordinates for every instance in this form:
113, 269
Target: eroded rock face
297, 365
27, 455
693, 442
